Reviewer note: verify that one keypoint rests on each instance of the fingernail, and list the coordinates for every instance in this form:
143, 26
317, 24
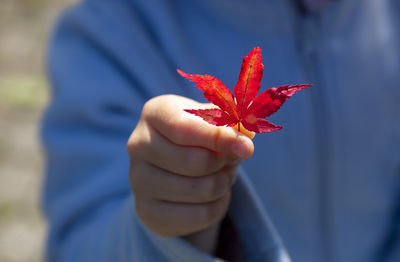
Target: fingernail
241, 147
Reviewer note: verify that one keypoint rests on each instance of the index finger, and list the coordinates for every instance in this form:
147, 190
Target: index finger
166, 114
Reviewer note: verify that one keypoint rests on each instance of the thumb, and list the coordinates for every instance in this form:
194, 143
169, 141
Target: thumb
167, 116
236, 141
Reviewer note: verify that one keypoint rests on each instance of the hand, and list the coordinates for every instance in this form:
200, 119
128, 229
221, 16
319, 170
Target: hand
182, 169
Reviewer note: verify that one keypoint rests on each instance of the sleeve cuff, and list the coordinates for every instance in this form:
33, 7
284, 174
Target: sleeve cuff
257, 237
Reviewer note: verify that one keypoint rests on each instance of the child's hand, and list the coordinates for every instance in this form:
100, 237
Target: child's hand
182, 168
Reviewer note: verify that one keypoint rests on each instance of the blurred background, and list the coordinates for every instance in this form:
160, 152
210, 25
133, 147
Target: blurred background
24, 32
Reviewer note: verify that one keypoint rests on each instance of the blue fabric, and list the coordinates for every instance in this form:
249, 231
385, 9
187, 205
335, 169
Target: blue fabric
329, 180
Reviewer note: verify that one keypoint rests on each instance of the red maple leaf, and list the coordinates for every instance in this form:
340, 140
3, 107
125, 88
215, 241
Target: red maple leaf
246, 109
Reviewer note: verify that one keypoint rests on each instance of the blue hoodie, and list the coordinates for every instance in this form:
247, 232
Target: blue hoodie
329, 179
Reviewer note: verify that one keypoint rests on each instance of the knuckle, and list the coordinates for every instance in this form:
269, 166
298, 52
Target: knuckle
206, 214
148, 216
211, 212
197, 161
217, 138
178, 131
143, 210
138, 144
140, 180
230, 175
175, 132
211, 188
135, 145
131, 145
135, 141
216, 210
151, 109
135, 180
149, 106
165, 232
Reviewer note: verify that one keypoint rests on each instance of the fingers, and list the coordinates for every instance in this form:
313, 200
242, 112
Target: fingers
165, 186
154, 148
177, 219
166, 115
182, 168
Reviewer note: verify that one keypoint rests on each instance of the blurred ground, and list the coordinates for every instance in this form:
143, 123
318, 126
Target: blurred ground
24, 27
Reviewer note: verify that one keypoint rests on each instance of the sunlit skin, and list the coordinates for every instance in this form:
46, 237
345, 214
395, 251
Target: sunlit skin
182, 170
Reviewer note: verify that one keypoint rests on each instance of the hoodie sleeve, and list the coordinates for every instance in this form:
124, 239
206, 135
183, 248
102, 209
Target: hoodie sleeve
96, 103
389, 250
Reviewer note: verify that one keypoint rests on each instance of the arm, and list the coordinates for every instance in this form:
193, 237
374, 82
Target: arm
87, 197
